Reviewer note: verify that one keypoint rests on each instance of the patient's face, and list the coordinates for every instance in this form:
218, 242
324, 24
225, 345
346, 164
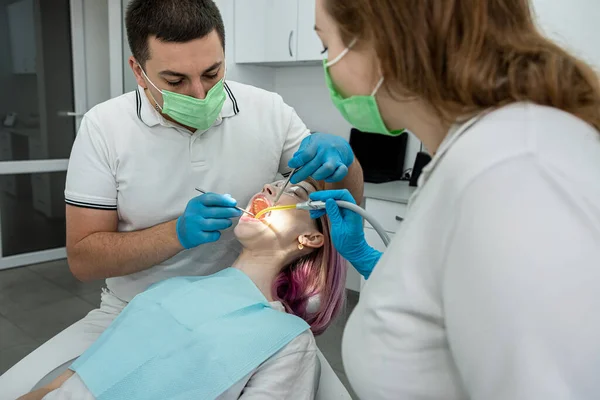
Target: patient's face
280, 228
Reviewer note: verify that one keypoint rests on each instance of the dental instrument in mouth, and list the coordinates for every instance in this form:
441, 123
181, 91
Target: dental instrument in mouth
287, 182
320, 205
236, 207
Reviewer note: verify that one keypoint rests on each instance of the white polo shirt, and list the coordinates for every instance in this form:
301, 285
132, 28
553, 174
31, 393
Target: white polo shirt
128, 158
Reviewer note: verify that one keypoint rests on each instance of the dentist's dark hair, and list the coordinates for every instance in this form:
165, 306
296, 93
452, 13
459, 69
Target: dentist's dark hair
176, 21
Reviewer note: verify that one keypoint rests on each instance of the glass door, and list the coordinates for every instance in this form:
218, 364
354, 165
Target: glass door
44, 80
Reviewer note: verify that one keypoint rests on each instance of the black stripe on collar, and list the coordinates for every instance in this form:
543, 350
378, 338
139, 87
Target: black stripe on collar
236, 109
138, 104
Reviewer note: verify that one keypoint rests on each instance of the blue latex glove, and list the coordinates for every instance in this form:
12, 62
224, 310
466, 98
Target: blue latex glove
347, 231
204, 217
324, 157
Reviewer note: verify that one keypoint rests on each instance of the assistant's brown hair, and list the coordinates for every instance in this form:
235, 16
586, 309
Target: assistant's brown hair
464, 56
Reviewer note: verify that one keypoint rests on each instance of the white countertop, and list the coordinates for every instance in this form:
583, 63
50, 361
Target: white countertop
396, 191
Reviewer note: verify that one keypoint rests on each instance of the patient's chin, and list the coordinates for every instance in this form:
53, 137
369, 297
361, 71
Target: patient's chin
250, 229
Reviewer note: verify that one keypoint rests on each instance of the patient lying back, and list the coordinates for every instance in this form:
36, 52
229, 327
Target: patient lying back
250, 333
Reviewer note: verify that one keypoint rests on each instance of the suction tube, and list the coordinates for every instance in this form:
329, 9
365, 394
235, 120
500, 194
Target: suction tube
320, 205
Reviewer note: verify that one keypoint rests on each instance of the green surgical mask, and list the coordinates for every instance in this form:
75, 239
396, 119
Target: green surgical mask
189, 111
361, 112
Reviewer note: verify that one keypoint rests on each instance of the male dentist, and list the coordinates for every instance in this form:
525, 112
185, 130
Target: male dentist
132, 215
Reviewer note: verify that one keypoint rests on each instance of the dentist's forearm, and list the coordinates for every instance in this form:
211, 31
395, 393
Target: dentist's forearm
353, 181
104, 255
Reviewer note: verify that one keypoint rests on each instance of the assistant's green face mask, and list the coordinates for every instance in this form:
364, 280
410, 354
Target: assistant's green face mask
361, 112
189, 111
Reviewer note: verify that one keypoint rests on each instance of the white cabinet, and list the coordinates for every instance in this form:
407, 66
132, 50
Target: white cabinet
309, 45
265, 30
275, 31
374, 240
388, 213
22, 36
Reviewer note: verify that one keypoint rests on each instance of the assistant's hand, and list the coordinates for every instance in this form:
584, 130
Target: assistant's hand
347, 231
204, 217
323, 156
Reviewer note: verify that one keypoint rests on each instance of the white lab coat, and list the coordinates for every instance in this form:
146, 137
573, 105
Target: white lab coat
491, 288
291, 373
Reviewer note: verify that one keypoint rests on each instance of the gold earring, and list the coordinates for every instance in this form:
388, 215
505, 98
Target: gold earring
300, 246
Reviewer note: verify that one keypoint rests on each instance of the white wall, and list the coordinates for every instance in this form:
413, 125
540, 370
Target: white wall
304, 89
573, 24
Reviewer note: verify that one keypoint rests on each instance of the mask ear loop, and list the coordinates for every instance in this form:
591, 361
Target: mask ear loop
342, 54
158, 107
377, 87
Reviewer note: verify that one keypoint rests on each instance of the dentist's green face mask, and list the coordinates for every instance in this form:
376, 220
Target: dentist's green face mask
361, 112
189, 111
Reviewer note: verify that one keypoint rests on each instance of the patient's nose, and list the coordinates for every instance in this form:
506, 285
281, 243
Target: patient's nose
268, 189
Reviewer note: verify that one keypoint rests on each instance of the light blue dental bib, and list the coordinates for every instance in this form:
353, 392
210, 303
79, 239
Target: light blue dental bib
186, 338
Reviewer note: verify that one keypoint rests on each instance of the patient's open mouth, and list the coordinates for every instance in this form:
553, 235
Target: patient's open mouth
258, 204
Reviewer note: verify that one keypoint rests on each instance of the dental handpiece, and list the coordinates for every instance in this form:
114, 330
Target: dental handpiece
236, 207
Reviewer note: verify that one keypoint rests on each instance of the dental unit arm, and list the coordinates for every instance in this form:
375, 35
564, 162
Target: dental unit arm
320, 205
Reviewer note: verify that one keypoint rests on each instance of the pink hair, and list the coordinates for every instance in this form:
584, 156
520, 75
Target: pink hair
321, 273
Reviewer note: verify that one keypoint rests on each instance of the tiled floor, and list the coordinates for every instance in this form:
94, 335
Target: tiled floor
36, 303
39, 301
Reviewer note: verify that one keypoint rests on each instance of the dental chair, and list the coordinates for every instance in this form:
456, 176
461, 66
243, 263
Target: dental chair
330, 386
